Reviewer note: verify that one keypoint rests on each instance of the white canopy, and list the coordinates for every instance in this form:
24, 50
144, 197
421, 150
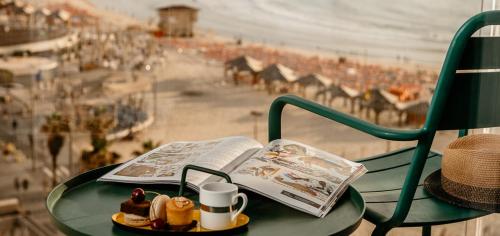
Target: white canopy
314, 79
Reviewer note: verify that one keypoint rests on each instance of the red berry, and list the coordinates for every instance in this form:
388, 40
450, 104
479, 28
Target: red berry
158, 224
138, 195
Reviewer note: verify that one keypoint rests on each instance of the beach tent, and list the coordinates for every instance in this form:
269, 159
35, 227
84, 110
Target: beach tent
378, 100
278, 72
416, 113
350, 92
243, 64
334, 90
315, 80
415, 110
277, 77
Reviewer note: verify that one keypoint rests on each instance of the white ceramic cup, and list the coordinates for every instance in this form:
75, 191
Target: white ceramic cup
217, 205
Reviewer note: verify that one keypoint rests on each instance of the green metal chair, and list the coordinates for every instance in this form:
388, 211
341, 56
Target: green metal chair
467, 96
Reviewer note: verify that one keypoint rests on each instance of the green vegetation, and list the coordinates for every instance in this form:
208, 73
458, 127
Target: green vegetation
55, 125
98, 127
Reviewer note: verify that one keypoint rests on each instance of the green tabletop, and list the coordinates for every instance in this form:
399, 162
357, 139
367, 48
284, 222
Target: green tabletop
83, 206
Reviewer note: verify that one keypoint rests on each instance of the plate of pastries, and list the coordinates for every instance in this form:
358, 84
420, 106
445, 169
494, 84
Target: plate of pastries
164, 214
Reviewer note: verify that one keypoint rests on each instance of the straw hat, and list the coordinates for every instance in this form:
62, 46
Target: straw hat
470, 173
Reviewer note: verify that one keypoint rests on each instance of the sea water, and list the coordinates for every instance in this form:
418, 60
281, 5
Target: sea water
416, 31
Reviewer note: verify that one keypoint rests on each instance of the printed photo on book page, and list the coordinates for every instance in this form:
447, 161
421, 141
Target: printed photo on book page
297, 174
166, 162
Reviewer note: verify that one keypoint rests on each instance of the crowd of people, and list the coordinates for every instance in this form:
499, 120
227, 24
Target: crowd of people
405, 83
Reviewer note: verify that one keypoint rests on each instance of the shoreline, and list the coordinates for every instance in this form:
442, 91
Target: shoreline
206, 35
408, 82
118, 20
378, 30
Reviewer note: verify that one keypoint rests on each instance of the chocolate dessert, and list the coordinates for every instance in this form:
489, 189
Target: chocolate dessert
140, 209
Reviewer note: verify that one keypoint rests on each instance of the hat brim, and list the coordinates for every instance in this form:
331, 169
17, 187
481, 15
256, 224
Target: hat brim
432, 185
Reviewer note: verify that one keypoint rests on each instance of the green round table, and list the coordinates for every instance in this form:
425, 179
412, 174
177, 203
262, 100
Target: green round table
83, 206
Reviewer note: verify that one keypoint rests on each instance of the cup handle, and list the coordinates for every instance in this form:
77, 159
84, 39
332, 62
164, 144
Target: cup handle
245, 201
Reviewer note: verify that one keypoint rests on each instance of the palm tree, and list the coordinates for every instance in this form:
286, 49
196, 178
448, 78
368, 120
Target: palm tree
98, 126
55, 125
147, 146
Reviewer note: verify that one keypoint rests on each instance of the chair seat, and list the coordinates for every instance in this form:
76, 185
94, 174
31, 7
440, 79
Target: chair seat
382, 184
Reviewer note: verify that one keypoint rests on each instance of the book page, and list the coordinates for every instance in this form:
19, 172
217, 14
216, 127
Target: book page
165, 163
297, 175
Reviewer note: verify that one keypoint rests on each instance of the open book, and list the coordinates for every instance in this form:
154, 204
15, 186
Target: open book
289, 172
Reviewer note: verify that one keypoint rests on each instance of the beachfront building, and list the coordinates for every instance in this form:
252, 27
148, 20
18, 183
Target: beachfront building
29, 70
121, 97
177, 20
25, 29
20, 78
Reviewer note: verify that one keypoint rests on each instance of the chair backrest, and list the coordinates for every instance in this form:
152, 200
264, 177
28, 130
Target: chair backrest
467, 95
462, 100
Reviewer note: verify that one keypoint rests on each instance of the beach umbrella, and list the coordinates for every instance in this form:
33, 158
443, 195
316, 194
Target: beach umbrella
244, 63
314, 79
278, 72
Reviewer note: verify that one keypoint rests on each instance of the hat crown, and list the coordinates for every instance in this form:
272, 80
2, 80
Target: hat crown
473, 160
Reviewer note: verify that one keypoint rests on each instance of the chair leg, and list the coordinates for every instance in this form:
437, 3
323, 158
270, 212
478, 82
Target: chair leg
380, 230
426, 230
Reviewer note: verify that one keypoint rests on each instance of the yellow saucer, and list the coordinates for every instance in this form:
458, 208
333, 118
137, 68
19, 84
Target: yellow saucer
241, 221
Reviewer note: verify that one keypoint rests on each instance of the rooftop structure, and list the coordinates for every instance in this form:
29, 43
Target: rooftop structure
177, 20
20, 66
22, 23
27, 69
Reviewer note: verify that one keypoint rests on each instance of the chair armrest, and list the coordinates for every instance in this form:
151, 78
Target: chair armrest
356, 123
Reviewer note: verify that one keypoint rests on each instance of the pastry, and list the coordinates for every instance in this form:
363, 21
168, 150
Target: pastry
180, 211
158, 208
136, 209
135, 220
135, 214
141, 209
